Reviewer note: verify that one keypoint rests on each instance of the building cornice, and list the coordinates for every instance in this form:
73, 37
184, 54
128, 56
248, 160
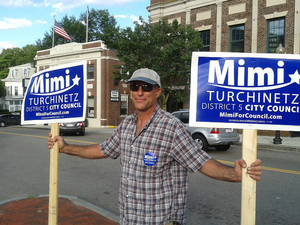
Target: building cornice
159, 10
11, 80
70, 49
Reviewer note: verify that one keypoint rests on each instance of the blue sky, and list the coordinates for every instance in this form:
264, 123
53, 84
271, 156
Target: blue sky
23, 22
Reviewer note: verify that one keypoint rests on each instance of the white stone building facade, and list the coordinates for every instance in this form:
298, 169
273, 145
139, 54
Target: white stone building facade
15, 86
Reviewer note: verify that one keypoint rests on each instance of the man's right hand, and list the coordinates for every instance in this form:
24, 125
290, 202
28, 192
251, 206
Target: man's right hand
83, 151
51, 141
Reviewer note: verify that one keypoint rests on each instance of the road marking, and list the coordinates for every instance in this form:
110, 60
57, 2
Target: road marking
267, 168
28, 135
281, 170
86, 142
222, 161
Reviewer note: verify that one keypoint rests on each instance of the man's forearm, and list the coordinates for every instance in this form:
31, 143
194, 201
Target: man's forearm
88, 152
219, 171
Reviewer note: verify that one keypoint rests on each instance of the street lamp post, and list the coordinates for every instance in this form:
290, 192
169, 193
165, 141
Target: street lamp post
277, 139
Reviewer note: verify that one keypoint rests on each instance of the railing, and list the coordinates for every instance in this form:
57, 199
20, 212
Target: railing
7, 97
18, 107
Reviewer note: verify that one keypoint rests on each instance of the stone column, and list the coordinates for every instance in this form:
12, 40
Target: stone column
254, 26
219, 27
297, 28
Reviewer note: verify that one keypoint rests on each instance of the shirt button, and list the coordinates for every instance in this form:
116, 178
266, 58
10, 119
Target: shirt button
127, 196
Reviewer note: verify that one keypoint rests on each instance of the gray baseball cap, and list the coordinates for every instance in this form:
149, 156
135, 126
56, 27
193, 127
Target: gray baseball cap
146, 75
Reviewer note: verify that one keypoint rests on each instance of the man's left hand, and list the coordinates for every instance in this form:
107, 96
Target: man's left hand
254, 170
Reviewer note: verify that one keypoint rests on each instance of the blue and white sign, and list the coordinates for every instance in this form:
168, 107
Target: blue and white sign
150, 159
56, 95
244, 90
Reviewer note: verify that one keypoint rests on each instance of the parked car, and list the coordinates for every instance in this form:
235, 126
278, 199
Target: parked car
72, 128
9, 119
220, 138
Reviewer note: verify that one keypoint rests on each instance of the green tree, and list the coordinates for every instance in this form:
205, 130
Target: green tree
13, 57
163, 47
102, 26
74, 28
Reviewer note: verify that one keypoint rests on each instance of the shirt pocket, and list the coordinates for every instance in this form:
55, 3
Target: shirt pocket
163, 161
153, 179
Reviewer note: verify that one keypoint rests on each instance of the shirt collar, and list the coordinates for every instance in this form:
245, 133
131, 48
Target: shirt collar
152, 119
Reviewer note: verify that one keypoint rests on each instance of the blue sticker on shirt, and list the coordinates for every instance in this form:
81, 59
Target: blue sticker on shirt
150, 159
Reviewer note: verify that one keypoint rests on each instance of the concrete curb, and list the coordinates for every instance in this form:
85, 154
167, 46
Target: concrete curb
275, 147
278, 147
88, 205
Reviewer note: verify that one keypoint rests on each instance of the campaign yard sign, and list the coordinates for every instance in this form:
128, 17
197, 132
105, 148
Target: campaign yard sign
245, 91
56, 95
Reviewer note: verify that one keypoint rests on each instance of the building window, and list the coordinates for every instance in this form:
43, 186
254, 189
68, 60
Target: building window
91, 107
90, 71
237, 36
8, 90
16, 91
18, 105
205, 36
124, 105
124, 71
275, 34
25, 72
13, 73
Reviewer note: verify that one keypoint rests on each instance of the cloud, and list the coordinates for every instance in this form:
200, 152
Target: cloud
134, 18
5, 45
59, 7
23, 3
120, 16
63, 5
40, 22
10, 23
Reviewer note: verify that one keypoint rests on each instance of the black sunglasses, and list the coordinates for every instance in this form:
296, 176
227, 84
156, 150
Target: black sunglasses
145, 87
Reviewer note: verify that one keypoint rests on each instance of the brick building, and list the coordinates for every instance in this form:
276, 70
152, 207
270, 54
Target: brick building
252, 26
108, 101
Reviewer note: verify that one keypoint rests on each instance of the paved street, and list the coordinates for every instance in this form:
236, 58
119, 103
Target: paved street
24, 172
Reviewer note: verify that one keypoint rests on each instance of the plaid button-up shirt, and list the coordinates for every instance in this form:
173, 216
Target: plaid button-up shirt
154, 194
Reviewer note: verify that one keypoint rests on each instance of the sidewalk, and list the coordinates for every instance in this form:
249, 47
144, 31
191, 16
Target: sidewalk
266, 142
73, 211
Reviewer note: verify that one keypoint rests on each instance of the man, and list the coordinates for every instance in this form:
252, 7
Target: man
156, 153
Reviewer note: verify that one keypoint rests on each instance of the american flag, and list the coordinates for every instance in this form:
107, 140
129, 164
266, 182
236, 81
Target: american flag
59, 30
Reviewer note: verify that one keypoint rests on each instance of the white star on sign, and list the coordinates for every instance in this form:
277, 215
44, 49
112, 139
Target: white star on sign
295, 77
76, 80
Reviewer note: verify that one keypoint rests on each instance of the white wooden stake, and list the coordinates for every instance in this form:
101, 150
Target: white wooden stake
248, 209
53, 179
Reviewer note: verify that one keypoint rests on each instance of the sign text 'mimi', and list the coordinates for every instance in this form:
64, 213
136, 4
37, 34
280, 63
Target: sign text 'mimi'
44, 84
252, 72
